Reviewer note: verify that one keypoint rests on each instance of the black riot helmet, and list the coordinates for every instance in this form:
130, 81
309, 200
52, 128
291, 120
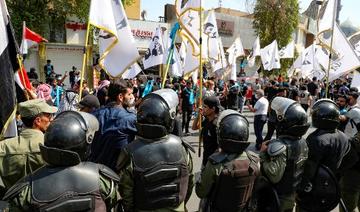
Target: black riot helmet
232, 131
68, 138
291, 118
325, 114
156, 114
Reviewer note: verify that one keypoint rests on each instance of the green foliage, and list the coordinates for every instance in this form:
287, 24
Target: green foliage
48, 17
276, 19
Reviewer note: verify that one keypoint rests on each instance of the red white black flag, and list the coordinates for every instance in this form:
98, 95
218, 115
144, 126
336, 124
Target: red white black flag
8, 66
29, 39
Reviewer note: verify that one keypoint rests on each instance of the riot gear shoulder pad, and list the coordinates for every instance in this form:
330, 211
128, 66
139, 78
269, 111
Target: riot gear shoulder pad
16, 189
85, 174
108, 173
275, 148
217, 158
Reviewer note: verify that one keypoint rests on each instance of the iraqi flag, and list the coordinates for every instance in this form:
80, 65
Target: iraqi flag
22, 79
29, 39
8, 67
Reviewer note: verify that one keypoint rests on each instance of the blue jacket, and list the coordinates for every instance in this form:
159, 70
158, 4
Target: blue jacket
116, 130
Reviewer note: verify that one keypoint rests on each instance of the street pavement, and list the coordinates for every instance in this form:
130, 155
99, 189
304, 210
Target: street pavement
193, 139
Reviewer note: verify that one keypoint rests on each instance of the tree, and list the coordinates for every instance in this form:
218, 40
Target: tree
276, 19
48, 17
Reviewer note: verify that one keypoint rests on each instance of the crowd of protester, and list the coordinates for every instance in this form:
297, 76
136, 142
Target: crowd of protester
114, 103
236, 95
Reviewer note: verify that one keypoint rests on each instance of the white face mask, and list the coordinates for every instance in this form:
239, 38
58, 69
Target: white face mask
257, 96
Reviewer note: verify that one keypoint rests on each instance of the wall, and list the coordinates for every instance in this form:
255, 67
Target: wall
133, 11
62, 56
242, 27
143, 32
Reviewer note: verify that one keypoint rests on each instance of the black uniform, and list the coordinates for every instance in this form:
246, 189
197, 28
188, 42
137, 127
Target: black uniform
209, 136
156, 168
330, 152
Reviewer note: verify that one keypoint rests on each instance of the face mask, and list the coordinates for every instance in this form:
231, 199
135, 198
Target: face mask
256, 96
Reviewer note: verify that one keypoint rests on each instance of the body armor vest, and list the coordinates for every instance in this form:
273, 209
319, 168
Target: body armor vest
297, 153
235, 184
74, 188
160, 172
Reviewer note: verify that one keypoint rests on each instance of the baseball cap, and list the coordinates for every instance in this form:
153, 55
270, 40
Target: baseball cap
34, 107
89, 101
212, 101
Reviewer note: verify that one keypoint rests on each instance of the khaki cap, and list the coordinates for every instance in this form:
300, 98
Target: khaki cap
34, 107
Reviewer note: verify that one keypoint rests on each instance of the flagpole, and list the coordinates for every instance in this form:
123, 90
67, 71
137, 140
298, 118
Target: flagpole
201, 79
20, 61
19, 58
170, 56
84, 60
331, 45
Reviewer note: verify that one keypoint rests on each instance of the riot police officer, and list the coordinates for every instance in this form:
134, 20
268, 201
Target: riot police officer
66, 183
156, 168
282, 159
329, 151
228, 177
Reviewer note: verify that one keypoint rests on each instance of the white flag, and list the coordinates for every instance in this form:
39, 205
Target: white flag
288, 50
308, 60
356, 80
309, 63
188, 14
235, 50
211, 38
155, 53
182, 52
254, 52
357, 48
194, 76
116, 43
270, 56
322, 56
296, 65
191, 62
222, 63
176, 65
233, 72
132, 72
344, 58
326, 15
